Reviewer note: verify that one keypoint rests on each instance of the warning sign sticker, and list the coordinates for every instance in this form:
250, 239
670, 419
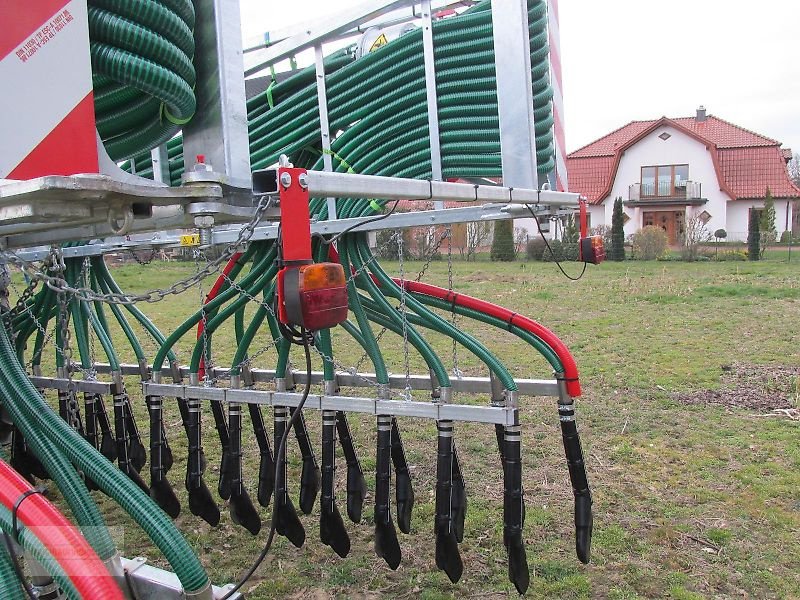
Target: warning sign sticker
192, 239
381, 41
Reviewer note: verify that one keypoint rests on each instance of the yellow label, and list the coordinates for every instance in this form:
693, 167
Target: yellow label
381, 41
192, 239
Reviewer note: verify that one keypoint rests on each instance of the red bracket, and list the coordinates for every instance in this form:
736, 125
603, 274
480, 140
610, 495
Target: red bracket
295, 220
584, 218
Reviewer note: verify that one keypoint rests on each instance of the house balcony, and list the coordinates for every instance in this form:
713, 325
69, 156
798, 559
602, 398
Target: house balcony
683, 193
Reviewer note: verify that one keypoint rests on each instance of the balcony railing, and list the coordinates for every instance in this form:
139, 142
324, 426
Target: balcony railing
684, 190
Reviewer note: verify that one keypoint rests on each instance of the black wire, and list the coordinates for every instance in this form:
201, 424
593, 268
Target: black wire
546, 243
18, 569
280, 454
373, 220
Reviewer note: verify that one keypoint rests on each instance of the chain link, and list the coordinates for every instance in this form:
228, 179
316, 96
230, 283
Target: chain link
143, 261
456, 370
208, 365
404, 316
151, 296
430, 256
72, 410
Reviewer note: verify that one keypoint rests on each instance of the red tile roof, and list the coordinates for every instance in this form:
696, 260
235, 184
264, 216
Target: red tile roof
750, 171
746, 162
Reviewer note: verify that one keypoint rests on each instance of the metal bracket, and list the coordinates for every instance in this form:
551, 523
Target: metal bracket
151, 583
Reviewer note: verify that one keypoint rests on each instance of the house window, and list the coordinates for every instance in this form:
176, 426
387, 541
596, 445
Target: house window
664, 181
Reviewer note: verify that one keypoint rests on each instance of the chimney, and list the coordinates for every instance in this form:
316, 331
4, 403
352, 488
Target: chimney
701, 114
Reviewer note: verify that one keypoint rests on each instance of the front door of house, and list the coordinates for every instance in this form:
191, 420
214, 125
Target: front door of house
671, 221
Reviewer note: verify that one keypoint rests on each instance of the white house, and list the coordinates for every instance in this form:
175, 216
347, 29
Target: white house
670, 170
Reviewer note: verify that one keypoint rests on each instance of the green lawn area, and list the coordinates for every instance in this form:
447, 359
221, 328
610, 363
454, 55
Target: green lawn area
691, 499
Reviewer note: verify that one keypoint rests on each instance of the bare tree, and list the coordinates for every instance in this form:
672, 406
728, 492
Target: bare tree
520, 239
478, 234
694, 235
794, 169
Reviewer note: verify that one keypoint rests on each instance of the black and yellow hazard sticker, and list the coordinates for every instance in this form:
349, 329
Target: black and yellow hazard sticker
380, 41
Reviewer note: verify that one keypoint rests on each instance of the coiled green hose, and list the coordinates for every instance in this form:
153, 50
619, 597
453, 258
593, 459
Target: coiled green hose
142, 53
366, 95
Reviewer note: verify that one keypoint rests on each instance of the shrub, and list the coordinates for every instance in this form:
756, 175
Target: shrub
503, 242
386, 244
649, 243
571, 251
617, 232
556, 252
753, 237
766, 224
720, 234
735, 255
561, 251
535, 249
786, 237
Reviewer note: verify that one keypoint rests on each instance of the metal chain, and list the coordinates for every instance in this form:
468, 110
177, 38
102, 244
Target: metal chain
393, 239
86, 276
404, 317
208, 366
430, 256
21, 306
151, 296
73, 414
456, 370
146, 261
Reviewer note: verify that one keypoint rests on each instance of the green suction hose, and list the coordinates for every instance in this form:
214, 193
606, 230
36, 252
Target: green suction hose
29, 409
142, 53
9, 584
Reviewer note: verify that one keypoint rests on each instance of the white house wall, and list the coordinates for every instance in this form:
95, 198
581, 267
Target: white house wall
739, 217
679, 149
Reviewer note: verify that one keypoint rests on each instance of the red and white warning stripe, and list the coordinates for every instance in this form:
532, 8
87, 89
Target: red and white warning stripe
558, 98
46, 106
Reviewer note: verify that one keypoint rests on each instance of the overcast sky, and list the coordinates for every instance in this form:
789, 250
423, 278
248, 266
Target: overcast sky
641, 59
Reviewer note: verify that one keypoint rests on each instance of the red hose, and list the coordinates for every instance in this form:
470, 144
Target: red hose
548, 337
212, 293
66, 544
510, 317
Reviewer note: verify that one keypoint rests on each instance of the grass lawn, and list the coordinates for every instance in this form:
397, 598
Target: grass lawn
692, 499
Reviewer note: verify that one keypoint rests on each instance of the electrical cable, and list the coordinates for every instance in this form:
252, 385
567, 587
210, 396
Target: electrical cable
546, 243
336, 237
280, 454
18, 568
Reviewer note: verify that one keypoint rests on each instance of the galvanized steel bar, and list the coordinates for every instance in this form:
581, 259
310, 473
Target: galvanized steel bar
514, 100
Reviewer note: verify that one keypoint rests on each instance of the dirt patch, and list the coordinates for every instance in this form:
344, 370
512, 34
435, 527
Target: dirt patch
756, 387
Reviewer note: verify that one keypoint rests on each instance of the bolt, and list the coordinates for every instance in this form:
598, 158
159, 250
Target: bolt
286, 180
303, 180
204, 221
